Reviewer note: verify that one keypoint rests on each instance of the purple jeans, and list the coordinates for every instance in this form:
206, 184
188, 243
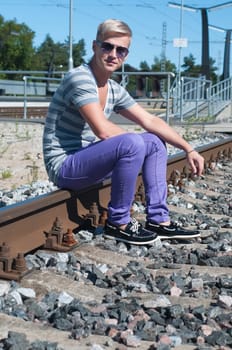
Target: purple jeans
122, 158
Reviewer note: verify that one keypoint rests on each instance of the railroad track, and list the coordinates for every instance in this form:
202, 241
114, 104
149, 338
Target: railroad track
33, 112
177, 292
50, 221
38, 109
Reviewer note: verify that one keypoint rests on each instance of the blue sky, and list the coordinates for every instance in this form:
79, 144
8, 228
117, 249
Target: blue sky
148, 20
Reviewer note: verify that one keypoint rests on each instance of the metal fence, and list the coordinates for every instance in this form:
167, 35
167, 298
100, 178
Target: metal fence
145, 87
220, 96
150, 87
181, 98
198, 98
48, 87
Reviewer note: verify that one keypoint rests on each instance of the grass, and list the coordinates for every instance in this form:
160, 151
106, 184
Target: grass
27, 156
6, 174
34, 172
22, 137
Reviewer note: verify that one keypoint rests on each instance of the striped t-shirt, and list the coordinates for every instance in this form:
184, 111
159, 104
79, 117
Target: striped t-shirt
65, 130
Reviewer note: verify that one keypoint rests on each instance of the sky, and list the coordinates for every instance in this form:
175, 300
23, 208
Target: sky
154, 24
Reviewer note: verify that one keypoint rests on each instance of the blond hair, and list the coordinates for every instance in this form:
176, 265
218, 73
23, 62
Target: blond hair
112, 27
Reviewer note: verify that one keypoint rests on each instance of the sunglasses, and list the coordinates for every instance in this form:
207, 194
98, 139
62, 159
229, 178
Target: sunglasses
106, 47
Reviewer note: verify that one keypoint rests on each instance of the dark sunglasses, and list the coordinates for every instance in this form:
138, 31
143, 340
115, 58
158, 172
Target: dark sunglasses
106, 47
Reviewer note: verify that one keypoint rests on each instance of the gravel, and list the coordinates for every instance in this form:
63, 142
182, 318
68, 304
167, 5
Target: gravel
124, 313
43, 186
138, 304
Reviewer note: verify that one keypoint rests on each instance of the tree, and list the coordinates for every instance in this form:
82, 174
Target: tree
51, 56
191, 69
169, 66
213, 69
16, 43
153, 84
194, 70
144, 67
79, 52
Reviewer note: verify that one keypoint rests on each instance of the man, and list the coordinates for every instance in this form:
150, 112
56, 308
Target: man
83, 147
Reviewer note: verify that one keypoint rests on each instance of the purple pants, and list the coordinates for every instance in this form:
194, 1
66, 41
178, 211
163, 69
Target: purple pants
122, 158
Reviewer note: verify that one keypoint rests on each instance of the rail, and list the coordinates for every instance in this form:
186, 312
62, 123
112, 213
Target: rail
50, 220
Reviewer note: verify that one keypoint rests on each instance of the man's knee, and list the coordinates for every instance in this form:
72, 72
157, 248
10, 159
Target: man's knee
134, 142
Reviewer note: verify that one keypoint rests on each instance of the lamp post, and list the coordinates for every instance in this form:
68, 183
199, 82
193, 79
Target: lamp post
226, 62
205, 32
180, 36
180, 42
70, 60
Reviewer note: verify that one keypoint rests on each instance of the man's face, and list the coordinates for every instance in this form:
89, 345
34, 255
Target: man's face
111, 52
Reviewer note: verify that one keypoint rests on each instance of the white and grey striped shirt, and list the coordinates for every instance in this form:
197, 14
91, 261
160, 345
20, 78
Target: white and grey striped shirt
65, 130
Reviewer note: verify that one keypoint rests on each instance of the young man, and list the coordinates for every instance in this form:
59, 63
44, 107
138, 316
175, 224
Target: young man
83, 147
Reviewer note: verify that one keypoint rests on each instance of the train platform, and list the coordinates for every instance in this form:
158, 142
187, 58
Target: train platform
223, 123
20, 104
220, 127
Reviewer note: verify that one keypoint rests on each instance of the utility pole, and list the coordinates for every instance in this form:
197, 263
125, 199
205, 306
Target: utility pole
70, 61
163, 54
226, 62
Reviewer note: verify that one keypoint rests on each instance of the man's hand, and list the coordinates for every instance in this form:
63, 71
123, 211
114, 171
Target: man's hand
196, 162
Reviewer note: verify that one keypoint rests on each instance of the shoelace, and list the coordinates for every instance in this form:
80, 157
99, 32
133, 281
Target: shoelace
174, 225
134, 226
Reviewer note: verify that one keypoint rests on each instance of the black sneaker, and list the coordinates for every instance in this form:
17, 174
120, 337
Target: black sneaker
172, 231
134, 233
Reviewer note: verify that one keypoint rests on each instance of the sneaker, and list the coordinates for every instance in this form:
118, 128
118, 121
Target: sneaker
172, 231
134, 233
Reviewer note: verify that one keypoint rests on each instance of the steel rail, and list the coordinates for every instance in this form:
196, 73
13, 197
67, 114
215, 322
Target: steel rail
50, 220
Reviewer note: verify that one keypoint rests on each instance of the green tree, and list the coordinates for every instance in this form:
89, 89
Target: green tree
51, 56
213, 70
153, 84
144, 67
169, 66
16, 46
79, 52
191, 69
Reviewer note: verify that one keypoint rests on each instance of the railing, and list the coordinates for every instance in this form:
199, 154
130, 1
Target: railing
146, 87
197, 97
220, 96
25, 99
187, 97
